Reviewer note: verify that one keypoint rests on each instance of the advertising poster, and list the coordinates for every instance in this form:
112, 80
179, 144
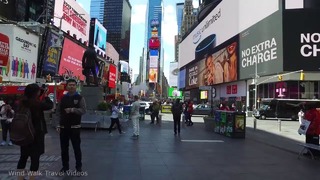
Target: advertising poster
4, 50
112, 76
203, 94
216, 68
52, 56
182, 79
100, 37
301, 34
229, 124
239, 123
153, 75
23, 55
173, 76
105, 74
223, 121
154, 62
74, 18
71, 60
124, 67
262, 44
217, 119
175, 93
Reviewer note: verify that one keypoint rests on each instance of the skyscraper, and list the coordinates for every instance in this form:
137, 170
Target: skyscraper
115, 16
189, 17
179, 11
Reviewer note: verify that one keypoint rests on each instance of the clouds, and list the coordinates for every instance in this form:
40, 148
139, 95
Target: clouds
169, 26
138, 14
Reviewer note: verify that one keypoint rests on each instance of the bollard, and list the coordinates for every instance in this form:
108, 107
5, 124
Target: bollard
279, 124
254, 123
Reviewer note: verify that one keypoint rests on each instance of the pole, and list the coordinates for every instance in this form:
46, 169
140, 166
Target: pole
54, 94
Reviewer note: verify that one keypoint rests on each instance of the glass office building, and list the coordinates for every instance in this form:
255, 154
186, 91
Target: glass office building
179, 11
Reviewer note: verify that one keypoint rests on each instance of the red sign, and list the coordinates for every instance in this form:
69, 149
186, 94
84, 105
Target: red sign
234, 89
154, 43
71, 60
228, 89
4, 50
112, 76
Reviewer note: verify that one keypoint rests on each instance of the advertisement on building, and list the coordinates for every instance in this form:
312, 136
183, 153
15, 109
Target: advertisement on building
105, 74
112, 76
13, 9
52, 55
99, 36
154, 61
73, 18
71, 60
236, 89
175, 93
182, 79
262, 44
23, 54
173, 76
301, 37
219, 67
124, 67
153, 75
226, 20
4, 50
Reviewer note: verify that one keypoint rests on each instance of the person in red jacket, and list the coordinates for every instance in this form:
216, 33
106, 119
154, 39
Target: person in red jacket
189, 113
312, 135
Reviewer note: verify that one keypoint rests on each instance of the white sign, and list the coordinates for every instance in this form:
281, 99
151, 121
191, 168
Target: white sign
22, 66
228, 19
154, 61
73, 18
173, 76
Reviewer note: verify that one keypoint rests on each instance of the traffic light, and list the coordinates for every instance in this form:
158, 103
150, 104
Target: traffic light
279, 77
301, 76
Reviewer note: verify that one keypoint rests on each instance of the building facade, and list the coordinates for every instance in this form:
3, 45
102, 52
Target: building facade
179, 12
115, 16
189, 17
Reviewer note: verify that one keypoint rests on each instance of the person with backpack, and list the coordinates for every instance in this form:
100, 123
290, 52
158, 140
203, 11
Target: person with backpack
69, 111
115, 117
155, 112
176, 110
30, 112
6, 115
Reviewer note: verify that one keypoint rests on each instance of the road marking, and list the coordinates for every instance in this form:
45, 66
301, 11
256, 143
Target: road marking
207, 141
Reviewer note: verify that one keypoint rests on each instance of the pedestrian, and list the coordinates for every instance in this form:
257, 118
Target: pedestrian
69, 112
115, 117
312, 134
37, 100
189, 113
6, 115
176, 110
155, 112
301, 116
135, 116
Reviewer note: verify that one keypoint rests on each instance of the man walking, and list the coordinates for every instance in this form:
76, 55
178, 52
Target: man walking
69, 112
176, 110
135, 116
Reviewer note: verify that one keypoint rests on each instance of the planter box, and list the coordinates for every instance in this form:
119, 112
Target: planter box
209, 123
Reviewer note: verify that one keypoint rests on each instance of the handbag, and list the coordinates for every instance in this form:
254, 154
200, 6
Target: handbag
304, 126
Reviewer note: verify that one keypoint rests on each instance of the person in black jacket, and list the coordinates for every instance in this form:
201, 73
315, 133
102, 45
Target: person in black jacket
89, 63
176, 110
37, 103
69, 112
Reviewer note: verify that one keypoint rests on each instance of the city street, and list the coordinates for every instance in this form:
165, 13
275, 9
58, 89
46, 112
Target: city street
195, 154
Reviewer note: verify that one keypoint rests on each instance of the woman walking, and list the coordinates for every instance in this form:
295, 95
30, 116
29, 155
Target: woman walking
115, 117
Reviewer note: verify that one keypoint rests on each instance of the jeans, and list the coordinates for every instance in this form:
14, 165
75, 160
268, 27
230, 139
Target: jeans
176, 123
155, 115
115, 121
135, 121
5, 129
72, 134
24, 155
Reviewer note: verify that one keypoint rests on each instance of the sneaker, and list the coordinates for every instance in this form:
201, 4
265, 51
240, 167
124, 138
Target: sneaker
122, 132
3, 143
110, 134
10, 143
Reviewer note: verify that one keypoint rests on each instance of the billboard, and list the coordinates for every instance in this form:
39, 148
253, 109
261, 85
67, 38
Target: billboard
23, 54
226, 20
72, 17
301, 38
216, 68
99, 36
173, 76
112, 76
13, 9
4, 49
71, 60
51, 58
262, 44
182, 79
154, 61
174, 93
124, 67
153, 75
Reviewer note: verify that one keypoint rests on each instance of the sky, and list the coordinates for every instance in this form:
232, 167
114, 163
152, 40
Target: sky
169, 30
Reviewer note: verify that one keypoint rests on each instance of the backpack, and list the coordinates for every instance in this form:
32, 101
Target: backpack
22, 130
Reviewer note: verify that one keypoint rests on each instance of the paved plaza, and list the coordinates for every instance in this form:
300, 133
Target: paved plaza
197, 154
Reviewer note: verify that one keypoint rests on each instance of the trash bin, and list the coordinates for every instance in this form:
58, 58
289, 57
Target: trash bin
142, 113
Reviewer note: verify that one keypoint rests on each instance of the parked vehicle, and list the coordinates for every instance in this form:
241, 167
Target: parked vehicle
281, 108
